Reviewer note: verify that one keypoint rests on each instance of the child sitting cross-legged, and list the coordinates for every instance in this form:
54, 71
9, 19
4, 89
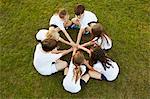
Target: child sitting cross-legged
47, 58
75, 75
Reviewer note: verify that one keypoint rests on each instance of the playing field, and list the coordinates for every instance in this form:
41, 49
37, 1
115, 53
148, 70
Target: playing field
126, 21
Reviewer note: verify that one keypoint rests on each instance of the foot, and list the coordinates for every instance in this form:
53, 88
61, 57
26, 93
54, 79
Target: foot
74, 26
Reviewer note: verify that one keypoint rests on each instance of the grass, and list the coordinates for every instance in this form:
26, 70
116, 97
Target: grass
126, 21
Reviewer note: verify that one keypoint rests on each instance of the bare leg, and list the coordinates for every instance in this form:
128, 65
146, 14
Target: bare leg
66, 70
61, 64
94, 74
86, 77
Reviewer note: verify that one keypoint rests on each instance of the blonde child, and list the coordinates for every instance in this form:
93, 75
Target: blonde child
75, 75
52, 34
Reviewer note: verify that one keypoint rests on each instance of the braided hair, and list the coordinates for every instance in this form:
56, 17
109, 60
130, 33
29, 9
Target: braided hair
99, 55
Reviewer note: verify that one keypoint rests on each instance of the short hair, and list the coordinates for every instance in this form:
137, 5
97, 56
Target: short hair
49, 44
97, 30
62, 13
78, 59
79, 9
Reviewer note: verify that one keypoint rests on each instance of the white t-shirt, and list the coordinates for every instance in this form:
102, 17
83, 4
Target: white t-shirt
43, 60
69, 83
110, 73
87, 18
42, 35
105, 44
56, 20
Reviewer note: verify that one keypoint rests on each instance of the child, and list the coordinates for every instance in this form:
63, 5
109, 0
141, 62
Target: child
75, 76
46, 57
52, 34
83, 18
61, 20
100, 38
101, 66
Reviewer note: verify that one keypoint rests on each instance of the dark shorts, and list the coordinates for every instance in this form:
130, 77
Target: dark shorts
103, 77
82, 83
53, 25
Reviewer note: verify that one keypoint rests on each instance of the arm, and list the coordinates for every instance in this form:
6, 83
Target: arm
66, 42
79, 35
85, 49
88, 66
74, 51
87, 43
67, 35
67, 51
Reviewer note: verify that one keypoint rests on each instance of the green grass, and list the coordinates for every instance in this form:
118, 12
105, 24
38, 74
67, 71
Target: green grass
126, 21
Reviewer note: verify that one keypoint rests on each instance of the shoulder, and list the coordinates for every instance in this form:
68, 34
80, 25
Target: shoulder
98, 63
83, 67
42, 31
41, 35
89, 13
71, 65
107, 36
54, 16
113, 63
38, 47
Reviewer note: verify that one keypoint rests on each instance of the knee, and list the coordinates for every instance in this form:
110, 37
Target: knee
89, 72
65, 64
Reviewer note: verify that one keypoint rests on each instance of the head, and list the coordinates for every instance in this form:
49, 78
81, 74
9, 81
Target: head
52, 34
62, 13
79, 10
99, 55
78, 58
49, 44
97, 30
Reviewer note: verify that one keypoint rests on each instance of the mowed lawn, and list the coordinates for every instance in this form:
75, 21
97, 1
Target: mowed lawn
126, 21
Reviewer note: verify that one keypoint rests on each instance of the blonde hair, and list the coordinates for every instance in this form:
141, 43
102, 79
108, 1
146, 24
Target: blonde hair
78, 59
62, 13
77, 71
52, 34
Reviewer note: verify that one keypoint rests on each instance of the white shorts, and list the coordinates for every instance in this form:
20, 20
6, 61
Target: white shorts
53, 68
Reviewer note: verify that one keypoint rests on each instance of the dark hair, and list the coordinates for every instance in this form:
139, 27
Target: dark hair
62, 13
78, 59
98, 31
99, 55
79, 9
49, 44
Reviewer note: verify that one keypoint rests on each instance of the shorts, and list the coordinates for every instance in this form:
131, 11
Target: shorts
82, 83
53, 68
103, 77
